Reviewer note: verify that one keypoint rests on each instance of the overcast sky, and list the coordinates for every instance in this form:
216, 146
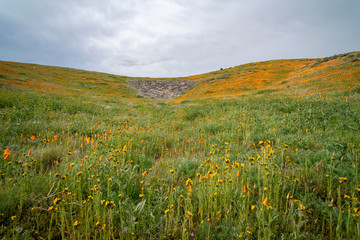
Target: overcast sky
167, 38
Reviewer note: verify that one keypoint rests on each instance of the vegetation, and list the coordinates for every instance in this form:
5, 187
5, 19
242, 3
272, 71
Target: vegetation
83, 157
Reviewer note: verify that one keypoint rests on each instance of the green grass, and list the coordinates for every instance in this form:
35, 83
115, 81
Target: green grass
103, 167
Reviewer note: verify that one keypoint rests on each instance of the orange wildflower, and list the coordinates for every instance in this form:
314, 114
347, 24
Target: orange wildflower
244, 189
265, 202
7, 152
30, 152
6, 157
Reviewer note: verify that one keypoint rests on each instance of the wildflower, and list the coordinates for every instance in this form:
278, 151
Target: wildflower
248, 232
52, 209
220, 181
188, 182
265, 202
79, 173
166, 211
230, 180
24, 174
342, 179
242, 165
7, 153
72, 164
141, 195
98, 224
244, 189
13, 218
144, 174
56, 201
110, 204
109, 179
253, 207
347, 197
302, 207
189, 213
171, 171
76, 223
296, 180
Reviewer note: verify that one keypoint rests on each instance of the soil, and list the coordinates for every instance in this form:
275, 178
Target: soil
161, 89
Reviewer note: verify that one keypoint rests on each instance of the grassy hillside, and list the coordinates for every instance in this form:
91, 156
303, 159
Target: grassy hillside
299, 77
266, 150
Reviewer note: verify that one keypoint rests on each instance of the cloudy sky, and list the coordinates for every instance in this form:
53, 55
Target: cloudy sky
159, 38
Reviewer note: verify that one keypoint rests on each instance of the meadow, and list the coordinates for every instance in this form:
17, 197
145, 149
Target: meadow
88, 158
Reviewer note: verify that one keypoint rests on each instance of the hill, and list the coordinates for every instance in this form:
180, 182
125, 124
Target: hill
267, 150
301, 77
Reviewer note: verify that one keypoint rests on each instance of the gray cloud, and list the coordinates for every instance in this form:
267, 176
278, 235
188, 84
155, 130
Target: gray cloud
174, 37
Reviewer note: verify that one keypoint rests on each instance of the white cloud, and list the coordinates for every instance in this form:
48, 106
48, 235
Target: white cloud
173, 37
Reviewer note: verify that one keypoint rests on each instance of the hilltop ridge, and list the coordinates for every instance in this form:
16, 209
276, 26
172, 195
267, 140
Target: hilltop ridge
338, 73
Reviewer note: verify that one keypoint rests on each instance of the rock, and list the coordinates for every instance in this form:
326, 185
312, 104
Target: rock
161, 89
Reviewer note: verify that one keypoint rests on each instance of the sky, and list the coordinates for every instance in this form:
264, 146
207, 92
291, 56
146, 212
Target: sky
174, 38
